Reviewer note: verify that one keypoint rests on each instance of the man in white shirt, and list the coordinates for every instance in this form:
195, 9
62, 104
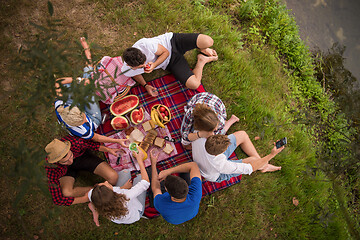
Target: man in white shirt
212, 156
167, 52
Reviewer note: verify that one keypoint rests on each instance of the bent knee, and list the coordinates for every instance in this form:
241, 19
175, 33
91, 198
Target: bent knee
193, 83
112, 177
67, 192
204, 41
241, 134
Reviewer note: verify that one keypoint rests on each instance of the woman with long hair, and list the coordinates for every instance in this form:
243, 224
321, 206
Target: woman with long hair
123, 203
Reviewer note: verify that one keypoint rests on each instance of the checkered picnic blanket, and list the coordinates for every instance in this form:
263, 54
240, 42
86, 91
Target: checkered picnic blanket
174, 95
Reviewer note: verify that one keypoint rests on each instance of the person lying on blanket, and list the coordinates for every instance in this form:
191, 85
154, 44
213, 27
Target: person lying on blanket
212, 156
77, 123
182, 200
125, 202
68, 156
167, 52
206, 114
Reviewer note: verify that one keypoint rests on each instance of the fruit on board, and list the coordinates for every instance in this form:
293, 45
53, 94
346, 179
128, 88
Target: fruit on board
124, 105
137, 116
119, 123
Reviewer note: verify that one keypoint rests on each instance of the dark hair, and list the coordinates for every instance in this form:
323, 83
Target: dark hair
217, 144
134, 57
109, 203
176, 186
205, 118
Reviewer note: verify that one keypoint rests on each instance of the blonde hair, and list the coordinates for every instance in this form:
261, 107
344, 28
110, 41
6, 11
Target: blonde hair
217, 144
205, 118
72, 117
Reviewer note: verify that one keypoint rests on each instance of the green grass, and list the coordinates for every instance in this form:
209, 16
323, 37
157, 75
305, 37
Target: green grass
248, 77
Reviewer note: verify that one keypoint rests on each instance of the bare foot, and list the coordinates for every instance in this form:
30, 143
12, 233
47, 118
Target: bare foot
233, 119
84, 43
269, 168
209, 52
205, 59
95, 214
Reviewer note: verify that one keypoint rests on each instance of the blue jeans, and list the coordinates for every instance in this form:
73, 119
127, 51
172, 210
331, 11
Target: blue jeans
227, 153
93, 110
124, 176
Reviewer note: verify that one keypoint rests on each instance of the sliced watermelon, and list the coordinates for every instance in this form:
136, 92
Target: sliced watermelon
119, 123
137, 116
124, 105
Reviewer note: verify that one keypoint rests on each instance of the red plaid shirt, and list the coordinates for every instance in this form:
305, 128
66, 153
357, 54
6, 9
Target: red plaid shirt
55, 171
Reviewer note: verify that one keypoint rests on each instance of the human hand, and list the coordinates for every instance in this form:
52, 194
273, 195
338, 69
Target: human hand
114, 151
128, 184
122, 142
154, 156
163, 174
151, 90
275, 150
149, 67
139, 156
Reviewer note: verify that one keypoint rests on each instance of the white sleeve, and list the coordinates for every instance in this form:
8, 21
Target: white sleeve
89, 194
222, 164
139, 188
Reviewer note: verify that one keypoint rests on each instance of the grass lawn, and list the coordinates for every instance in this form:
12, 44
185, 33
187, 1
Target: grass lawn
248, 77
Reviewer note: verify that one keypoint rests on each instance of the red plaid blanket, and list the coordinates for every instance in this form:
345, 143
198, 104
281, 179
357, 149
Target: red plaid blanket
175, 96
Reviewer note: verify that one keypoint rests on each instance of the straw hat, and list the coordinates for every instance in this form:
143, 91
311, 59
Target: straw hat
73, 117
57, 150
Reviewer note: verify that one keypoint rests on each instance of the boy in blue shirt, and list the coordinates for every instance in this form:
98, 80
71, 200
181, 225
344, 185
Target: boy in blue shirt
181, 201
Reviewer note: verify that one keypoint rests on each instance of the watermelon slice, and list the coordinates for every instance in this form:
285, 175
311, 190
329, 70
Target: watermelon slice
137, 116
124, 105
119, 123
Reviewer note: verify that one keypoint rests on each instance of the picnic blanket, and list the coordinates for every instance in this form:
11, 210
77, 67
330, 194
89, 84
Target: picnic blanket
174, 95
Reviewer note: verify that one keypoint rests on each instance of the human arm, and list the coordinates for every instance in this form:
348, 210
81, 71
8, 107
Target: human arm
155, 183
162, 54
190, 167
199, 134
139, 158
94, 213
258, 163
82, 199
67, 80
86, 47
105, 139
113, 151
150, 89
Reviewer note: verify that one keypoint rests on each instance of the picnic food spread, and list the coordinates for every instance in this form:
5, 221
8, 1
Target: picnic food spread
119, 123
124, 105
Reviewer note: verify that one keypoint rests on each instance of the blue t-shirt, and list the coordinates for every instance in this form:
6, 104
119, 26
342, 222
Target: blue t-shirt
85, 131
177, 213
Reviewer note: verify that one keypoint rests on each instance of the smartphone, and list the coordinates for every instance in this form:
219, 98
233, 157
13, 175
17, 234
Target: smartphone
281, 142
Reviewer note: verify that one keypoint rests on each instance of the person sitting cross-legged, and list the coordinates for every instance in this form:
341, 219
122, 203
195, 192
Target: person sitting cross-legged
181, 201
212, 156
68, 156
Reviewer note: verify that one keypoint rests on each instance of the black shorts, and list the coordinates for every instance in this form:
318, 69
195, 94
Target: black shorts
180, 44
86, 162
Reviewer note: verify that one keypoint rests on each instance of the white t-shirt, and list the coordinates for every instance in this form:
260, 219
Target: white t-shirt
149, 46
133, 205
211, 166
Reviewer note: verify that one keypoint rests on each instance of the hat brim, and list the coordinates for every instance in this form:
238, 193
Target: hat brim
63, 154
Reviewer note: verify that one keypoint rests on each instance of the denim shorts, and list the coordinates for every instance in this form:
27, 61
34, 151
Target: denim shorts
227, 153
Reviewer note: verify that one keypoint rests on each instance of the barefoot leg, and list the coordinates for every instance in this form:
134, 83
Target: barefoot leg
95, 213
233, 119
194, 81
